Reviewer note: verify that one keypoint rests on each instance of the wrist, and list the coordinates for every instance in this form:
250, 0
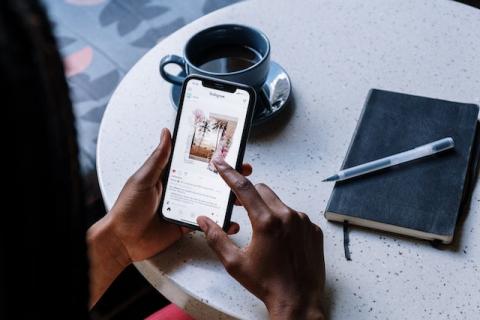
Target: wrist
103, 242
107, 258
309, 307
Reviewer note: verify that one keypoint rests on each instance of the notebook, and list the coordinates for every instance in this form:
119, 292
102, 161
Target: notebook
421, 198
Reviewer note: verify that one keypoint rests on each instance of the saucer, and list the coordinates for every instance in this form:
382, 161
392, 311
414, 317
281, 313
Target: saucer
273, 97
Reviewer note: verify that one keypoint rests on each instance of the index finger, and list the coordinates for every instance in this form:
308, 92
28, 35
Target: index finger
243, 189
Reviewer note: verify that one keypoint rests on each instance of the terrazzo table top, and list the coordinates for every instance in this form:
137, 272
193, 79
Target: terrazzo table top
334, 51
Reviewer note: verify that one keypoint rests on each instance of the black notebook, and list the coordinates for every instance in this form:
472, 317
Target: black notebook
421, 198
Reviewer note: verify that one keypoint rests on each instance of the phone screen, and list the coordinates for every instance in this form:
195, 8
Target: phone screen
211, 123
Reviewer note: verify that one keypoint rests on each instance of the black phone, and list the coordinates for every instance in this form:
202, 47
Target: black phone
214, 119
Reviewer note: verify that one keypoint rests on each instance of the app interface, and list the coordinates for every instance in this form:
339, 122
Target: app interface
211, 124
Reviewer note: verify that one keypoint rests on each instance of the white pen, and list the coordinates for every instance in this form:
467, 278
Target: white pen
419, 152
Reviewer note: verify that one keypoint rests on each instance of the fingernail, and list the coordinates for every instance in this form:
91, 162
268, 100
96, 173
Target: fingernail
202, 223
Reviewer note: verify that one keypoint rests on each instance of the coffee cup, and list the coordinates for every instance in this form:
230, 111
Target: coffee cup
229, 52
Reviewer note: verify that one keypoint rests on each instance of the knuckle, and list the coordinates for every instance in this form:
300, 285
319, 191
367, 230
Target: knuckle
261, 186
133, 180
289, 216
268, 222
214, 237
289, 220
304, 217
288, 212
242, 184
231, 263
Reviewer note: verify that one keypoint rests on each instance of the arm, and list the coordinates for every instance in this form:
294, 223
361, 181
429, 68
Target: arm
283, 265
107, 259
132, 230
309, 308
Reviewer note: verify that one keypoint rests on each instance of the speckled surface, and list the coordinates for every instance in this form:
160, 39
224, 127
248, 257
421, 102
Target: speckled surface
334, 51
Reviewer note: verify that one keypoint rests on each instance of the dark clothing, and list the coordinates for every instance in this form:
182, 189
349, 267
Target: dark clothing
43, 262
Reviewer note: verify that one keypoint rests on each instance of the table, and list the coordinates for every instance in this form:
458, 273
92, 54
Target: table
334, 51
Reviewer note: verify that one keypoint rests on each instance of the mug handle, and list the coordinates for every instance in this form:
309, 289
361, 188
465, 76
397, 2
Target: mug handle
171, 58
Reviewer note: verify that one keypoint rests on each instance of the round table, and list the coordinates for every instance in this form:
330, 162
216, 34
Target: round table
334, 51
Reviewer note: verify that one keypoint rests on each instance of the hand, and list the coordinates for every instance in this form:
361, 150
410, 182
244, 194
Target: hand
283, 265
134, 217
133, 230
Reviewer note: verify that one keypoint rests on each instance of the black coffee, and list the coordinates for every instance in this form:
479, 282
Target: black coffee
227, 58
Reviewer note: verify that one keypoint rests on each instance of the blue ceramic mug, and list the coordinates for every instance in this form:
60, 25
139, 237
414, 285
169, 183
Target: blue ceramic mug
229, 52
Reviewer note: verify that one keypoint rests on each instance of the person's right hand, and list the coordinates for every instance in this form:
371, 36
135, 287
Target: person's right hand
283, 265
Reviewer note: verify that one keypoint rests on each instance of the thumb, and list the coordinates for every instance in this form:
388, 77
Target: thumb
151, 171
218, 240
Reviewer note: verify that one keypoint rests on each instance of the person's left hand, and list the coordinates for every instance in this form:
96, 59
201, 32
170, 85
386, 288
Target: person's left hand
134, 219
133, 230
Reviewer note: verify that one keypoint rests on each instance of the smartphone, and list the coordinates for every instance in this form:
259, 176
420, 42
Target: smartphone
214, 118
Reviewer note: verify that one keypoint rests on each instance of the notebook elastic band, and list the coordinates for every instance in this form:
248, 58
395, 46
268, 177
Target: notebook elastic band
346, 241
